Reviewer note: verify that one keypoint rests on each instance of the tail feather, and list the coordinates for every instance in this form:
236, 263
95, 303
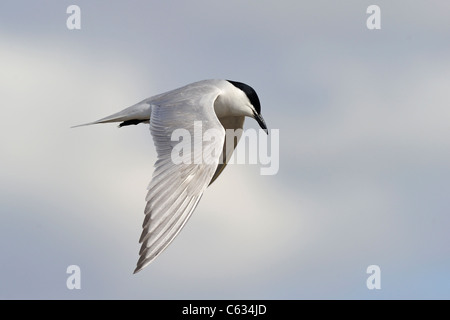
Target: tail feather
135, 114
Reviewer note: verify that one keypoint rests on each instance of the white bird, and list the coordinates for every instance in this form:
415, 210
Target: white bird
176, 189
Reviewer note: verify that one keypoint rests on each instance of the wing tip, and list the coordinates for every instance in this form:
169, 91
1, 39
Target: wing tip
142, 264
137, 270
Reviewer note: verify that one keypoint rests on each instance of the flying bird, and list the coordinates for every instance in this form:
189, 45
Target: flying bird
176, 188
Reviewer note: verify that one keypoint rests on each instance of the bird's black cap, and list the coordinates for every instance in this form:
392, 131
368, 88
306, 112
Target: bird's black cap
251, 94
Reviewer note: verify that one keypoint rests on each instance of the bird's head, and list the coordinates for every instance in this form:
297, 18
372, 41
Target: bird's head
251, 103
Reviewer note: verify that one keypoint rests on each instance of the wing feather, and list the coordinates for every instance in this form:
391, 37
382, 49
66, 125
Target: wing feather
233, 127
176, 189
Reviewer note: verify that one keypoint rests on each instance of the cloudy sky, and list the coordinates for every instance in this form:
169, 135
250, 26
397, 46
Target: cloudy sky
364, 150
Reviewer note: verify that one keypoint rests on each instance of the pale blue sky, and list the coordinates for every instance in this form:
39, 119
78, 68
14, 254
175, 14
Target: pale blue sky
364, 149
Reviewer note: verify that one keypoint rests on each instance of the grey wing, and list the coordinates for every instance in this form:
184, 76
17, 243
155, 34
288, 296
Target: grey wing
176, 188
231, 140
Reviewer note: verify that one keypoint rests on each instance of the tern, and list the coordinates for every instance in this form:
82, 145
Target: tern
176, 188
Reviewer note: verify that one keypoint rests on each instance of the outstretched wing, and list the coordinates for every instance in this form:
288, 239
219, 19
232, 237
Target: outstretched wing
176, 188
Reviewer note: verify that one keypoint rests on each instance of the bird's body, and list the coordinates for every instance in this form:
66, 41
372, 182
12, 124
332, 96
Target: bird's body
176, 188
